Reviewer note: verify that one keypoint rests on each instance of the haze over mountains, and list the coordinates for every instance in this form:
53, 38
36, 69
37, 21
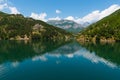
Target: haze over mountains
68, 25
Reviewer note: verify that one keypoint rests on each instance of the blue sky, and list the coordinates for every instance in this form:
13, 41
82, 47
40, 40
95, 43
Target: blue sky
58, 9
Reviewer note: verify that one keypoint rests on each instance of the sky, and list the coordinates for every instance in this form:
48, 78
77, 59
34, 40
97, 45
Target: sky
79, 11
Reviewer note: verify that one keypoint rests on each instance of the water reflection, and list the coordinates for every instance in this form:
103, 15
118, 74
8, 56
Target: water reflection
17, 51
107, 51
73, 50
71, 60
67, 50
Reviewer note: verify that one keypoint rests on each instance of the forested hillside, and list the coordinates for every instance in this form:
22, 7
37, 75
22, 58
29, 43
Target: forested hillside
17, 27
106, 29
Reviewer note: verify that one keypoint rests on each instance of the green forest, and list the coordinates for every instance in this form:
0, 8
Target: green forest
18, 27
107, 28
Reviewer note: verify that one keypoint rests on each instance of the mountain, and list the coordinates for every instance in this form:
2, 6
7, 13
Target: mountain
67, 25
107, 29
18, 27
86, 24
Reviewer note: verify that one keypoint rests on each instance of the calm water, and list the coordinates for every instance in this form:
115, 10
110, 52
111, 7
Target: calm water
59, 61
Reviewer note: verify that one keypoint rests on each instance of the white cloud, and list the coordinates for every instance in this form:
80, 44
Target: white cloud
94, 58
42, 58
3, 6
40, 16
95, 15
15, 64
70, 18
110, 10
14, 10
70, 55
58, 11
56, 18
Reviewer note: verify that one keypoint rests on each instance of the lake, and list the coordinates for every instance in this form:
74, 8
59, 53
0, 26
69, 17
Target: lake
46, 60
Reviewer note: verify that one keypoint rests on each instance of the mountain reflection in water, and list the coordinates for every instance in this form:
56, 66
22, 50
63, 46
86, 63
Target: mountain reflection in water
45, 58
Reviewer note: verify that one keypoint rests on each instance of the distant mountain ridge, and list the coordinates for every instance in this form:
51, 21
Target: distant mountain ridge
67, 25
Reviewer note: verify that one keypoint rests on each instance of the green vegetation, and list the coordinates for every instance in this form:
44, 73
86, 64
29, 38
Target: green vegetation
16, 51
110, 52
17, 27
107, 29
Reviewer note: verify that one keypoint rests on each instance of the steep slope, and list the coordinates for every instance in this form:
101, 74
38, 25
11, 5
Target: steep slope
107, 29
67, 25
17, 27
